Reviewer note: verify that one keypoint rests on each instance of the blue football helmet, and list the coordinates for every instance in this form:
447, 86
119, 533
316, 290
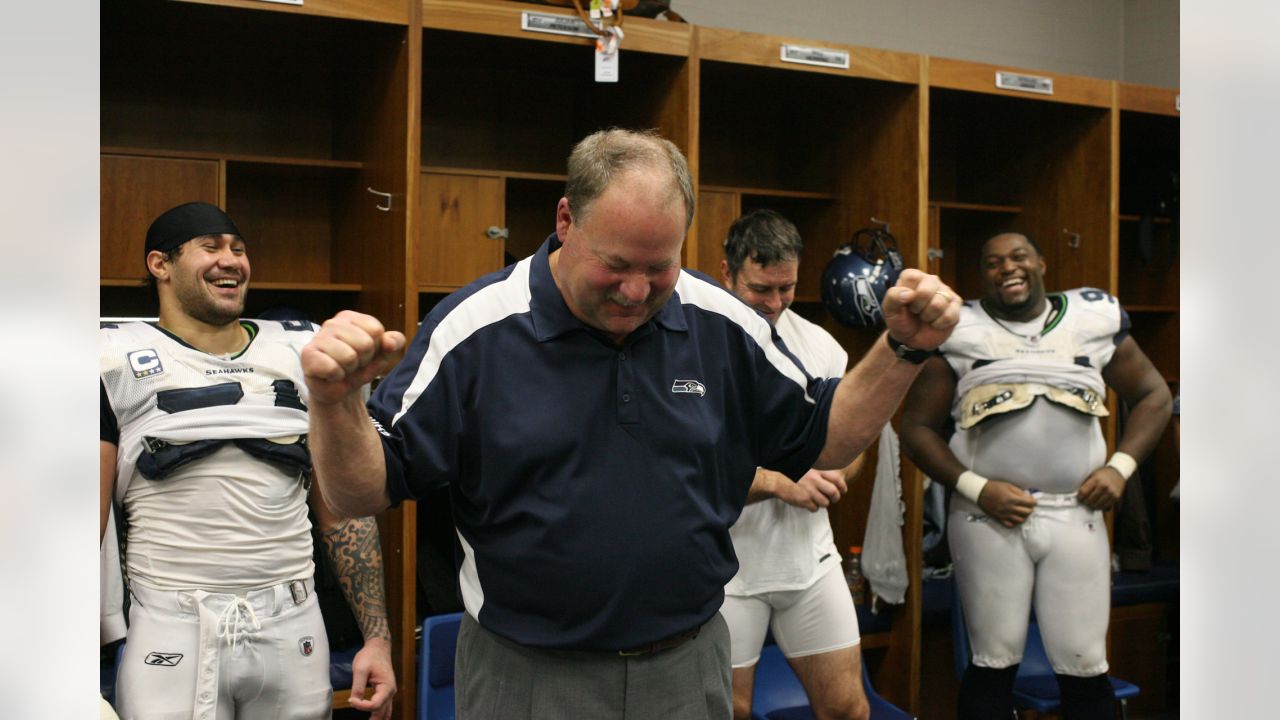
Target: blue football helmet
859, 274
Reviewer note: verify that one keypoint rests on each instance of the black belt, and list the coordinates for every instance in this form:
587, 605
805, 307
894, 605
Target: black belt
666, 643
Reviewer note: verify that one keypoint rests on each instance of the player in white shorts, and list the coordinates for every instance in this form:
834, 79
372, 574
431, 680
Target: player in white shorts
203, 450
1024, 378
788, 567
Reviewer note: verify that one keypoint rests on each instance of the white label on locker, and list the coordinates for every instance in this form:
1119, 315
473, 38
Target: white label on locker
823, 57
606, 65
1024, 83
554, 24
283, 2
1177, 102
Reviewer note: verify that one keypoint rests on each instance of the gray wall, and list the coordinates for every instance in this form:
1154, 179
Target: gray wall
1134, 40
1151, 42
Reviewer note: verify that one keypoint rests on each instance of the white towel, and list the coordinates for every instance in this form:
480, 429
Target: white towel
884, 562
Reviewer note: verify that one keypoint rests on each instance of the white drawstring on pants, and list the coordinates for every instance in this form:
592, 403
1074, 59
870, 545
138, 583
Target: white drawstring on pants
232, 623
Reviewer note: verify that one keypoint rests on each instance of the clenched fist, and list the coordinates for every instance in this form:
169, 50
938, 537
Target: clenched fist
920, 311
350, 350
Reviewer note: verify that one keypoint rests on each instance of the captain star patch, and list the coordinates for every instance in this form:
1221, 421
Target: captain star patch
145, 363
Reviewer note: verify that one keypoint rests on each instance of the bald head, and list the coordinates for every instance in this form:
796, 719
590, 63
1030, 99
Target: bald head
602, 157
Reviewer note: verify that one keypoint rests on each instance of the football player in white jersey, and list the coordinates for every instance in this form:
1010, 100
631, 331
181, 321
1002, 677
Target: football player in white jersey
788, 566
1023, 380
203, 449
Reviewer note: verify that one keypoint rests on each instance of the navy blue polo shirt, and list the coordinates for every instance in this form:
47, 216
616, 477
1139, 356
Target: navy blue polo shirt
593, 485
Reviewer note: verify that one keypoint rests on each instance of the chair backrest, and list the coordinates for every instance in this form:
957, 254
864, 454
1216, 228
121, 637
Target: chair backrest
960, 654
776, 686
1036, 686
435, 665
778, 693
1035, 661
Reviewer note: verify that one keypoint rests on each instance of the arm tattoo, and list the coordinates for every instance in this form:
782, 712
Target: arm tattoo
356, 556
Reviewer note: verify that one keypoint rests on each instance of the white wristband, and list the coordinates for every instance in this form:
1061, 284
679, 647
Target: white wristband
970, 485
1123, 463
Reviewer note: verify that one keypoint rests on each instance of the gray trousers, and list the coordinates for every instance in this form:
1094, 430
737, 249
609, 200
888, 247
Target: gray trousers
497, 679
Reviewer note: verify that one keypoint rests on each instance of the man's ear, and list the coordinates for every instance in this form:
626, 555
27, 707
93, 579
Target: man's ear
564, 218
725, 278
158, 264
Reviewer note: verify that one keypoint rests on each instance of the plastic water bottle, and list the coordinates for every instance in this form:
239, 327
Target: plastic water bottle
853, 575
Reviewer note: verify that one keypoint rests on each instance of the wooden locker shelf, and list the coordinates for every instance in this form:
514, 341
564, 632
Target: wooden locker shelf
981, 78
499, 18
385, 11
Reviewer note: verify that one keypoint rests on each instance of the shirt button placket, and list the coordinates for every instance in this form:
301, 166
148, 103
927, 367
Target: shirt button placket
627, 412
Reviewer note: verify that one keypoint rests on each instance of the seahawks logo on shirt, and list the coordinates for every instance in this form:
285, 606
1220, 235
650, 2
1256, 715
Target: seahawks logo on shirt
692, 387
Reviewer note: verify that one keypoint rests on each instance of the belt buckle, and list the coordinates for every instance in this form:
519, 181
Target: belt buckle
154, 445
299, 591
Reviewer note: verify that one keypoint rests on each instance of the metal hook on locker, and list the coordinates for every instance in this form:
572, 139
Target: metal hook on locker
386, 196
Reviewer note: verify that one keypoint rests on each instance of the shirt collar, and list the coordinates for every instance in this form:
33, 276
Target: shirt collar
551, 315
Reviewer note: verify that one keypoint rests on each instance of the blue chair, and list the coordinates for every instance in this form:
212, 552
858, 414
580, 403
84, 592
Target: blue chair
107, 671
435, 666
1035, 687
778, 694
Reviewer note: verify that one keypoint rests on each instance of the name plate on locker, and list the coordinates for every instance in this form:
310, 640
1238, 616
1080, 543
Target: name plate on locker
555, 24
1024, 83
283, 2
822, 57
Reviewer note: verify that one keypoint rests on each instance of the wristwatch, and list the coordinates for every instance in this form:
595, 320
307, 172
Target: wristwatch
906, 352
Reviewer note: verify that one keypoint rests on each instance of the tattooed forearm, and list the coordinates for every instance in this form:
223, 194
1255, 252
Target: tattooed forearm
353, 548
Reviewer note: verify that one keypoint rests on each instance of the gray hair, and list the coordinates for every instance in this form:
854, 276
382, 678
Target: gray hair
602, 156
764, 236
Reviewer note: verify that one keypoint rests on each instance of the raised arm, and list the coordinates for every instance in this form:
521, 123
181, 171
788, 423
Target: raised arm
920, 312
349, 351
1150, 404
353, 549
924, 421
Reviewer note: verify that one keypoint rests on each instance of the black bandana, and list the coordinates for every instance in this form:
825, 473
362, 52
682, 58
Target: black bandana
184, 222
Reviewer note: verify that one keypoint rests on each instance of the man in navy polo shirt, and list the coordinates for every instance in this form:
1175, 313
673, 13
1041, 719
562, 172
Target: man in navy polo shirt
597, 414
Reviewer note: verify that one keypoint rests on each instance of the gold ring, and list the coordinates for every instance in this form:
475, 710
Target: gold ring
944, 294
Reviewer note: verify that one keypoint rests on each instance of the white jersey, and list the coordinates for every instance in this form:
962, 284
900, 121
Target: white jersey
226, 521
780, 546
1028, 395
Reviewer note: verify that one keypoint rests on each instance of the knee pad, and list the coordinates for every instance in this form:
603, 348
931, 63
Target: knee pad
986, 693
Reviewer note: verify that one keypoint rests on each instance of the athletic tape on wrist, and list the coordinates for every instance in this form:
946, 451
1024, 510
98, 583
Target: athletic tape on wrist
1123, 463
970, 485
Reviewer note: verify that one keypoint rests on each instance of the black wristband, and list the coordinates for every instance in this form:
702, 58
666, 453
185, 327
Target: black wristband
906, 352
